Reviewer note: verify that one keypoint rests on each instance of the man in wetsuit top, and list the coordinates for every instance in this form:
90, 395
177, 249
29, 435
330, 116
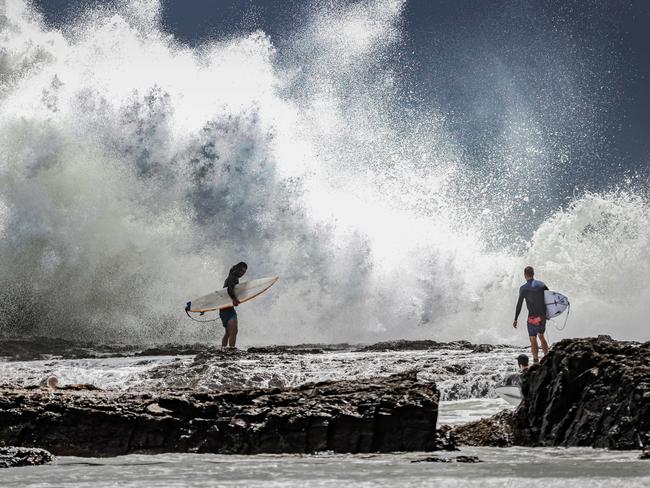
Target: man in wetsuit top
514, 379
229, 315
533, 293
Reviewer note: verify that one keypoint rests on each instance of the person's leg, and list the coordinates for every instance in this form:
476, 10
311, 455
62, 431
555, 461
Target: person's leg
542, 341
226, 315
232, 332
532, 335
534, 349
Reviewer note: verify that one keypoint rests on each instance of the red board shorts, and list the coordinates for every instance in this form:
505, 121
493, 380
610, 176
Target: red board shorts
536, 325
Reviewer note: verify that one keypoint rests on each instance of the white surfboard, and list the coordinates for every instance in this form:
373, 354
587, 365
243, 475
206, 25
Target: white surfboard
556, 303
220, 299
511, 394
510, 389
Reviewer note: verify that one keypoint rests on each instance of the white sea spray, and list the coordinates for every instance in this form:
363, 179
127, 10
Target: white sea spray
135, 170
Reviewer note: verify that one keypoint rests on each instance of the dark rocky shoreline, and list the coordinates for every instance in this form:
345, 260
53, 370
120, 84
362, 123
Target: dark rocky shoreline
39, 348
395, 413
591, 392
587, 392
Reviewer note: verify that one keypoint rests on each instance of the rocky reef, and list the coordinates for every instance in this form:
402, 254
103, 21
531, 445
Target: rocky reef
587, 392
394, 413
11, 457
495, 431
35, 348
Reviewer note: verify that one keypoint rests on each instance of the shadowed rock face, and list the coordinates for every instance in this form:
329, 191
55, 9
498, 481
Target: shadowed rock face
397, 413
587, 392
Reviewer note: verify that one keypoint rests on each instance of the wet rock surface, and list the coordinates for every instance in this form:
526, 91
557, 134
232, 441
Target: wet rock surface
225, 370
445, 440
394, 413
457, 459
37, 348
422, 345
587, 392
32, 348
302, 349
11, 457
495, 431
458, 373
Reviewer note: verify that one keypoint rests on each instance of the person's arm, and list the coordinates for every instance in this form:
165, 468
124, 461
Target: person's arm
231, 289
520, 302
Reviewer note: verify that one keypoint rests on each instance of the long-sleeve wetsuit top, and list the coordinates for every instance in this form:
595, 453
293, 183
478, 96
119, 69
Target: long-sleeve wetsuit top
533, 293
231, 281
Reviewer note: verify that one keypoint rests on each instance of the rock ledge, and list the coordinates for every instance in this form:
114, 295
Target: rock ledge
395, 413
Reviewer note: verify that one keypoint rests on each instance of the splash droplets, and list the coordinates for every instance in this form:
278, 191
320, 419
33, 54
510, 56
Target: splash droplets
135, 170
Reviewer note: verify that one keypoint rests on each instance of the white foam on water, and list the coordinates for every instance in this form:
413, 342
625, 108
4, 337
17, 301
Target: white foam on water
107, 373
458, 374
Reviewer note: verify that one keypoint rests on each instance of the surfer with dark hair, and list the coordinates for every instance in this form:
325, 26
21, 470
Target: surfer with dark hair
533, 292
229, 315
522, 362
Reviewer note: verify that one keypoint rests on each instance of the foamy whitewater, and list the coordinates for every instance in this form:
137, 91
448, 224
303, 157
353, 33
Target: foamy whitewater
458, 374
135, 170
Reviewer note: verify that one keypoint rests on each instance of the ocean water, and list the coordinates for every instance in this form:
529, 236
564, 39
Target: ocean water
508, 467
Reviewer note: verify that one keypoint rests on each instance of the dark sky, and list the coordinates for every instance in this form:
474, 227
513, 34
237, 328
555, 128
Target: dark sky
457, 51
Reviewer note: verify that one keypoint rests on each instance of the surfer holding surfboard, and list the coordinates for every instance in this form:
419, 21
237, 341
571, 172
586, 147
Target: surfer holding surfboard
542, 304
533, 292
225, 300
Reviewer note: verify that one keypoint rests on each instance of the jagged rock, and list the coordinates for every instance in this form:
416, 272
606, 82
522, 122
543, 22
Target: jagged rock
445, 441
31, 348
459, 369
176, 349
433, 459
587, 392
11, 457
418, 345
285, 350
395, 413
302, 348
457, 459
467, 459
495, 431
